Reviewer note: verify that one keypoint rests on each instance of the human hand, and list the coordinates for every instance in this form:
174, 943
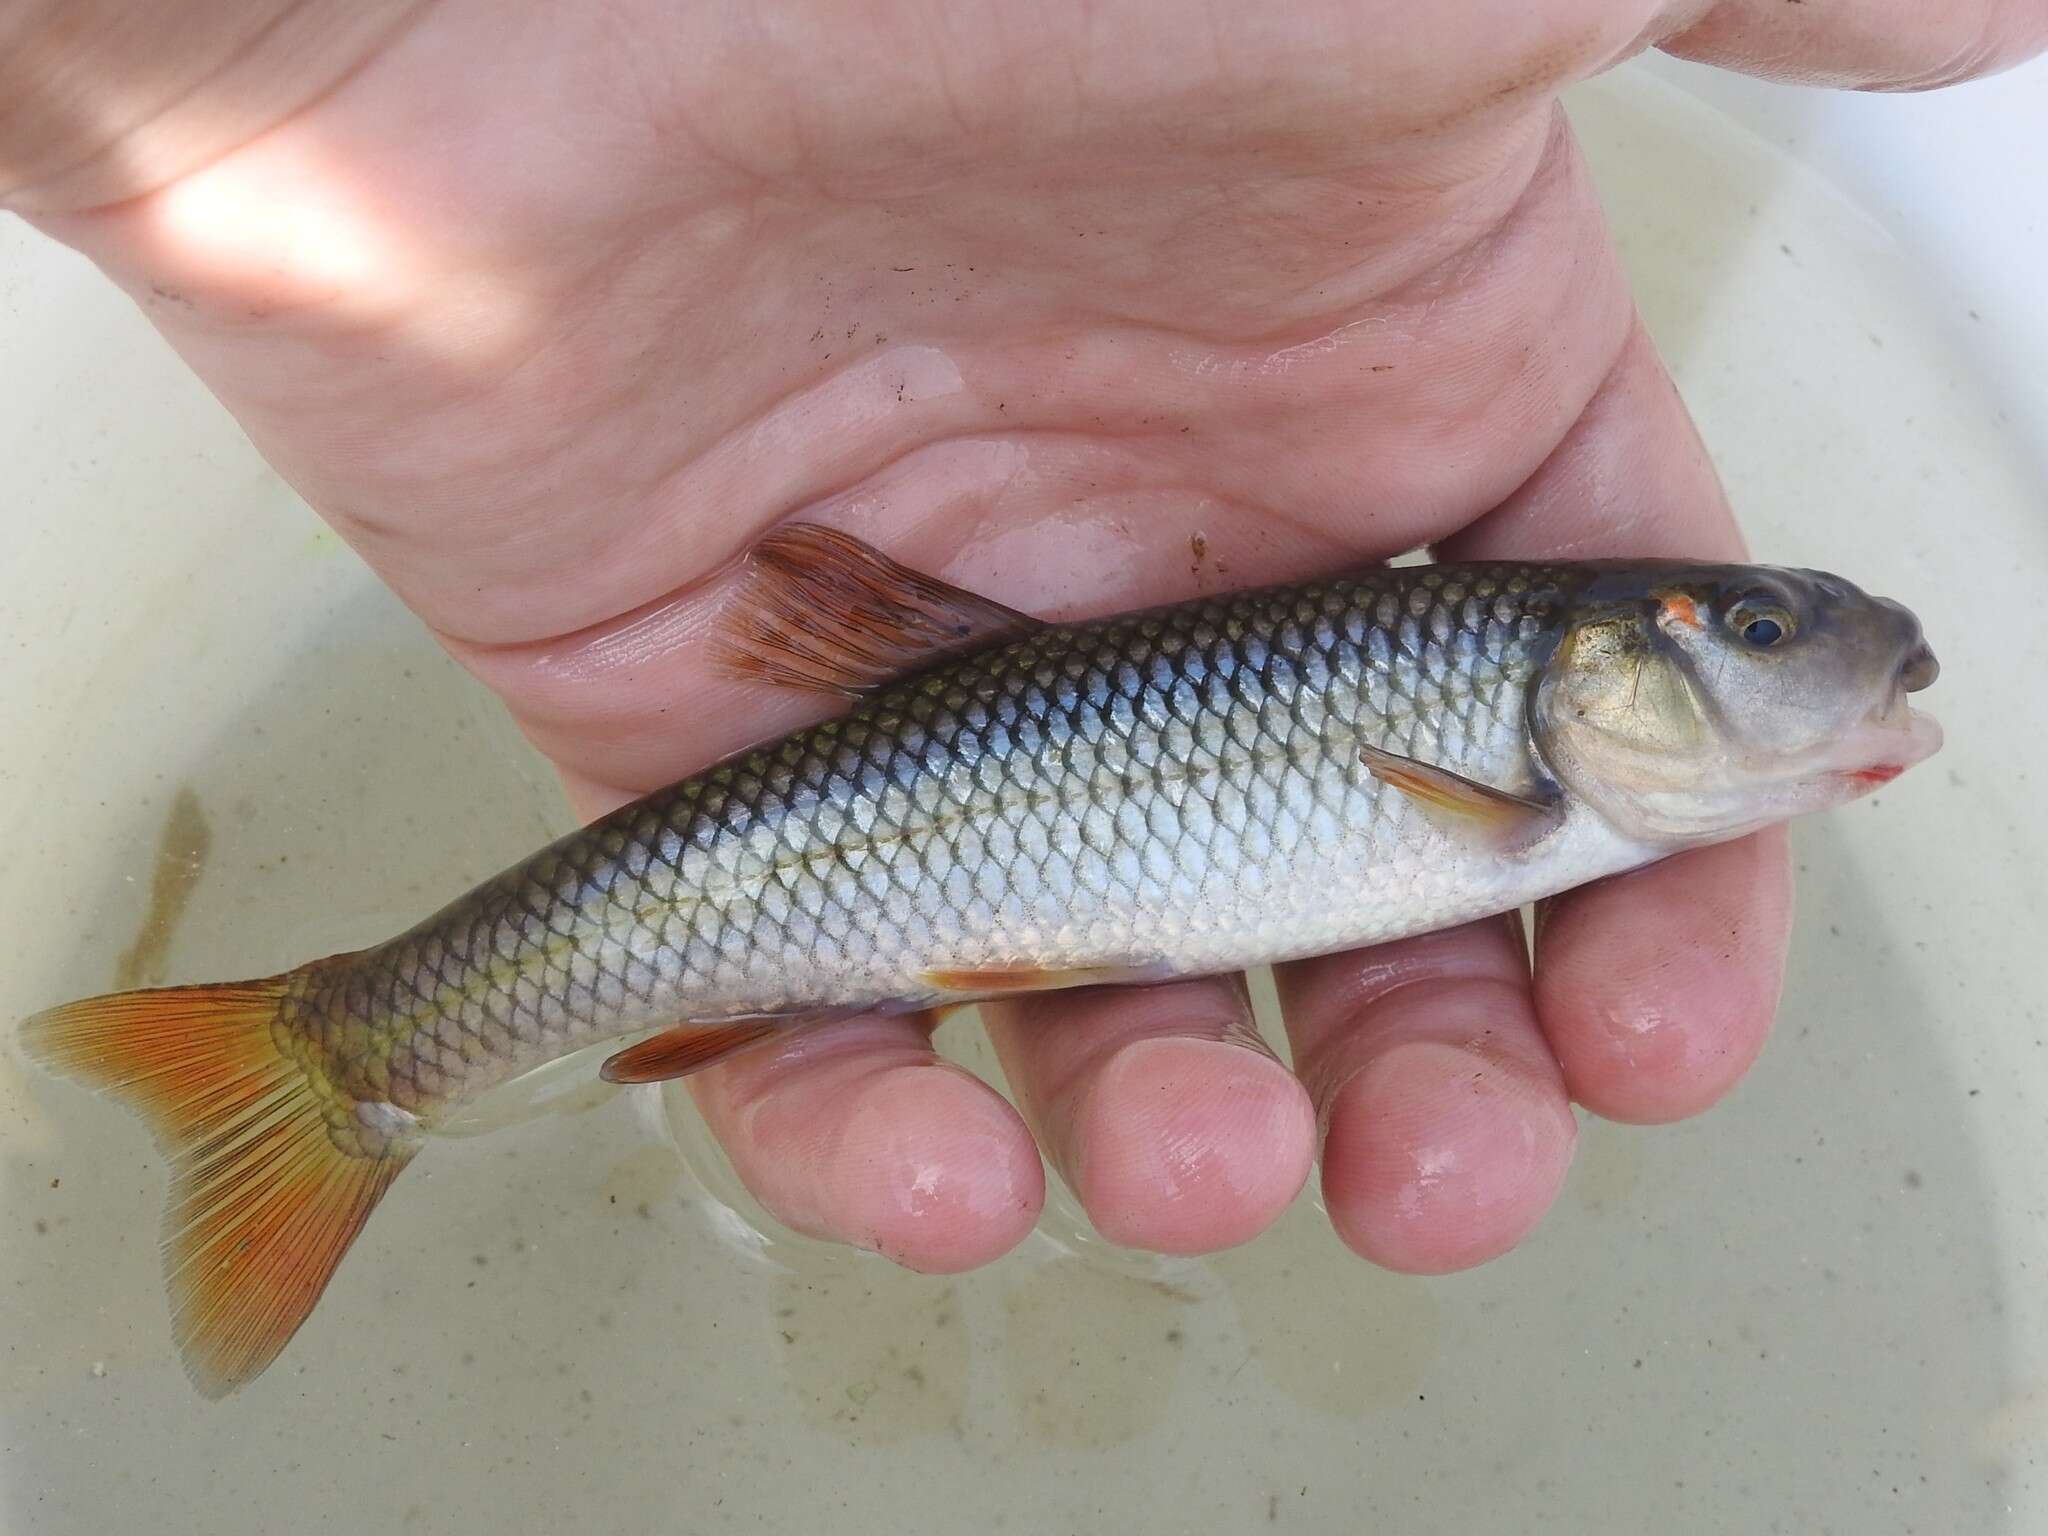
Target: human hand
551, 313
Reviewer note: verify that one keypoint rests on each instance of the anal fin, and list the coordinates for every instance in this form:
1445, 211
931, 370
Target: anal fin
1464, 806
689, 1048
970, 984
819, 609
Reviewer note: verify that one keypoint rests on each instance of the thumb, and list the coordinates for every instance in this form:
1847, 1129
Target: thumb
1873, 45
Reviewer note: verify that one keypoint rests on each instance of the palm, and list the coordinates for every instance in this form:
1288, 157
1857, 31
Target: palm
553, 320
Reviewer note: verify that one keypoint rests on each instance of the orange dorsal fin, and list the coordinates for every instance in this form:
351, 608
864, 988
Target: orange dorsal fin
818, 609
264, 1199
1462, 805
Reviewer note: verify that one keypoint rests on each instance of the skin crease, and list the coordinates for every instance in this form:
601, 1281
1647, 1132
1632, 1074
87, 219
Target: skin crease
552, 312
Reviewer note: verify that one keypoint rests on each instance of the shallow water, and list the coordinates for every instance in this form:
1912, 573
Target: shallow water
1816, 1308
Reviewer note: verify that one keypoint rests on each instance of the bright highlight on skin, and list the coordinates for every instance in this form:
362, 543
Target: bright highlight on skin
248, 231
261, 237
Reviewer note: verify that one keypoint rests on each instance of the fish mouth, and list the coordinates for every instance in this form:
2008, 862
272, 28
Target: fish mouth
1888, 741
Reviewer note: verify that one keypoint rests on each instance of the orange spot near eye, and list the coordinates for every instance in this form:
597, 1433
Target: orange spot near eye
1680, 609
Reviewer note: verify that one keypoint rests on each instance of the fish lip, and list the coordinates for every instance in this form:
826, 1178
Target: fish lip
1886, 744
1923, 736
1926, 729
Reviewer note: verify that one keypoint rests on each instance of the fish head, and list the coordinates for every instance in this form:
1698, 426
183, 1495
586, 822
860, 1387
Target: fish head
1689, 703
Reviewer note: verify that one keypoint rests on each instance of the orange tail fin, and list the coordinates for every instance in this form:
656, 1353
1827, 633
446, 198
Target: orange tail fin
264, 1202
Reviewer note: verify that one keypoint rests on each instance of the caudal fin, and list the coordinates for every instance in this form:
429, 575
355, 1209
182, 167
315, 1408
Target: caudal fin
263, 1201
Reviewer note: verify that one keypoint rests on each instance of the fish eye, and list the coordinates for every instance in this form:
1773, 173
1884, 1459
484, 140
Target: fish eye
1762, 625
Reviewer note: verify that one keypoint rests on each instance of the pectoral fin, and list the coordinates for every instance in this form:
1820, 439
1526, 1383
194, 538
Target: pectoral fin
1460, 805
820, 610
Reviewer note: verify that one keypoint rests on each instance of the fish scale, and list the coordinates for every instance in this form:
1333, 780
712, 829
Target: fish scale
1009, 806
1177, 791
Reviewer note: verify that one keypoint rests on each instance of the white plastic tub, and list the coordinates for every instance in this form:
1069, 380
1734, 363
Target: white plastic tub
1818, 1308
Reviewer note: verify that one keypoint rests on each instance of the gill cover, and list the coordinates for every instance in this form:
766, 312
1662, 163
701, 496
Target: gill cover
1623, 689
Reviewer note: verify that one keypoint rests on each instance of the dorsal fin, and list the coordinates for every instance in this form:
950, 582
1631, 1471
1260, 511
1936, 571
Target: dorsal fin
819, 609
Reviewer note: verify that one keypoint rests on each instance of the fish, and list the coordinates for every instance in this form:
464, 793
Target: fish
1006, 805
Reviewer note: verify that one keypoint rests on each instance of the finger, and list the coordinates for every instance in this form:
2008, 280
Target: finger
1656, 989
1447, 1130
1176, 1127
1631, 477
859, 1133
1869, 44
